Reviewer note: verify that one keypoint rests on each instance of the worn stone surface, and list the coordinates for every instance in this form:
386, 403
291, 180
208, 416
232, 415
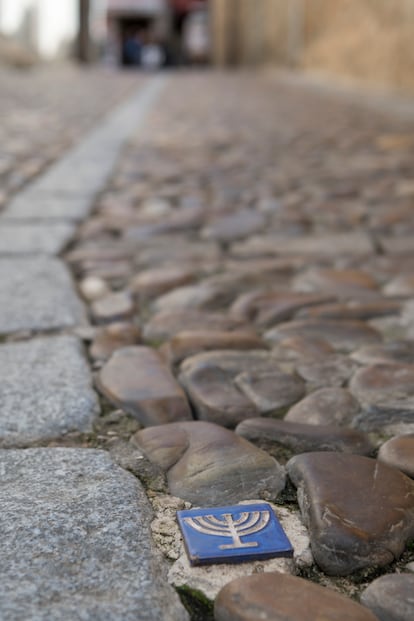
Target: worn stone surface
40, 295
277, 597
166, 324
386, 393
191, 342
112, 337
343, 283
390, 597
224, 391
75, 541
210, 580
267, 308
137, 380
154, 282
355, 244
342, 335
399, 453
359, 511
113, 307
361, 311
272, 392
326, 406
234, 226
207, 464
334, 370
400, 352
45, 390
45, 239
300, 438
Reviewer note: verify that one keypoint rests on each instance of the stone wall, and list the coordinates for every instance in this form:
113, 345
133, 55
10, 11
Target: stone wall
369, 40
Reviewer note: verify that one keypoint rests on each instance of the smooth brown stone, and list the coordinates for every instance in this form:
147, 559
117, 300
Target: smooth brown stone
207, 464
113, 307
299, 437
337, 244
167, 324
112, 337
402, 285
237, 225
386, 393
360, 512
332, 370
154, 282
342, 335
352, 311
188, 343
326, 406
280, 597
201, 296
399, 352
267, 308
172, 250
390, 597
399, 453
271, 392
179, 220
302, 348
136, 380
219, 394
343, 283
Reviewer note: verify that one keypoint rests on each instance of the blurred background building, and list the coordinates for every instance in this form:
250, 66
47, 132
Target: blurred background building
369, 39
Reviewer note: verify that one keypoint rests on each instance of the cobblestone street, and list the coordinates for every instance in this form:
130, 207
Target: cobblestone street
207, 298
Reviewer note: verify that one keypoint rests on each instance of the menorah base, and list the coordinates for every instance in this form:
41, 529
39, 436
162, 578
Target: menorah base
237, 546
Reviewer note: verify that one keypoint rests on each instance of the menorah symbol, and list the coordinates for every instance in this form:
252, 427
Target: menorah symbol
226, 526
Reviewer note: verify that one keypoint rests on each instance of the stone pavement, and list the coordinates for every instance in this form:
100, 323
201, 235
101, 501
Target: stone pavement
244, 289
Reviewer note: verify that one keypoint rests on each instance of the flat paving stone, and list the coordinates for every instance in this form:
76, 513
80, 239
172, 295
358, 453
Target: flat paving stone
137, 380
37, 294
326, 406
46, 390
386, 393
191, 342
30, 205
399, 352
206, 463
300, 438
342, 335
398, 452
353, 244
75, 541
167, 324
46, 239
333, 370
225, 387
360, 512
279, 597
391, 598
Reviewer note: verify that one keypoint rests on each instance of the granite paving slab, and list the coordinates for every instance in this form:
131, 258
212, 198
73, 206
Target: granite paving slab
45, 390
75, 541
45, 238
37, 294
38, 206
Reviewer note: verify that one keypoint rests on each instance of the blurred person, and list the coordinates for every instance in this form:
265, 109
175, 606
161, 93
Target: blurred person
152, 53
132, 49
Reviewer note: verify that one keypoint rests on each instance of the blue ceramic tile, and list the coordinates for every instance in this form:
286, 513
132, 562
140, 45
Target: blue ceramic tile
233, 534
